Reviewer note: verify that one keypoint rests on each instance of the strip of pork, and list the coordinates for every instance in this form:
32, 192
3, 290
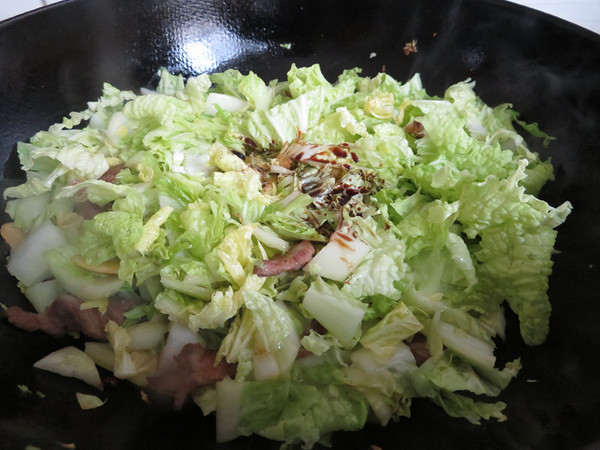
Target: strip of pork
294, 259
195, 368
418, 347
65, 315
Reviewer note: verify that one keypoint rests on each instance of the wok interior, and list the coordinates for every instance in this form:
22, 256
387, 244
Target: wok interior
56, 60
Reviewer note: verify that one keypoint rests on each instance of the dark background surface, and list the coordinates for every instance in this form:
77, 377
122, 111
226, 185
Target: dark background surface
55, 60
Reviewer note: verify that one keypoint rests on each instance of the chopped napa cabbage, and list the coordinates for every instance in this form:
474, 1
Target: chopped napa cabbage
287, 411
27, 262
339, 313
80, 282
87, 401
71, 362
128, 361
264, 339
384, 337
233, 256
422, 215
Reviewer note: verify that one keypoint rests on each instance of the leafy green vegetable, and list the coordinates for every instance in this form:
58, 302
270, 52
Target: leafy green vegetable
392, 228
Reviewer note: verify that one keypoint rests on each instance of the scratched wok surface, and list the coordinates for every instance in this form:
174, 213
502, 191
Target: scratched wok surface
55, 60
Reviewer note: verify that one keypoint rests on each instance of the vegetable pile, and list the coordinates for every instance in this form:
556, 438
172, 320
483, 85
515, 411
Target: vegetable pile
298, 256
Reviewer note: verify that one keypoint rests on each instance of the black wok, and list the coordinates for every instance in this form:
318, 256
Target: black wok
55, 60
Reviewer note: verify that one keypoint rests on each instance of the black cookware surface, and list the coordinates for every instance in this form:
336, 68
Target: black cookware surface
55, 60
